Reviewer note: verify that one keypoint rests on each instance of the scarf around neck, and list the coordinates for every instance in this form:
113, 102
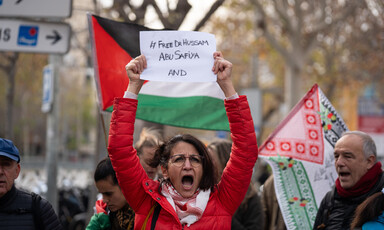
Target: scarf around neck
125, 217
365, 183
189, 210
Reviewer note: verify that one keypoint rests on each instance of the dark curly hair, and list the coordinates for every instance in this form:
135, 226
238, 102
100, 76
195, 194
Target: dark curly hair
163, 153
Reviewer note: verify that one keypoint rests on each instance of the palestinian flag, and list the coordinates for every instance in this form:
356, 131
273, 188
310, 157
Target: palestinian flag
300, 152
183, 104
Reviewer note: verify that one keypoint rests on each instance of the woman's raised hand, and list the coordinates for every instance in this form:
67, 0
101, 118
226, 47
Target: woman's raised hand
223, 69
134, 68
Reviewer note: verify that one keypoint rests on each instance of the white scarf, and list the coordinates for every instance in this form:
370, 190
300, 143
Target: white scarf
189, 210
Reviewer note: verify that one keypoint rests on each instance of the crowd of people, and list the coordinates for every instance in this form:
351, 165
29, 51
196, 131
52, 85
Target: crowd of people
182, 183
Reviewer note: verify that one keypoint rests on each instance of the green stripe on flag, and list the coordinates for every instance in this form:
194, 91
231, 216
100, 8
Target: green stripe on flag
109, 109
198, 112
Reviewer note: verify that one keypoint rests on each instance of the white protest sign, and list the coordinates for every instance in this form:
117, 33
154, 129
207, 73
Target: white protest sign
178, 56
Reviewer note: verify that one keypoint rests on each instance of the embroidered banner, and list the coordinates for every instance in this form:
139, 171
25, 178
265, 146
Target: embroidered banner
300, 152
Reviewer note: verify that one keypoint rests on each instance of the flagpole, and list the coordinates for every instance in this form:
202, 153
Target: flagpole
104, 129
99, 153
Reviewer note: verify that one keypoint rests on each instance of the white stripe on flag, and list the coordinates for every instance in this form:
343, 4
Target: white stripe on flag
182, 89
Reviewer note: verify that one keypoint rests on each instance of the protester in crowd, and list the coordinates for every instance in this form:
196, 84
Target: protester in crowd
187, 196
146, 146
359, 176
369, 215
113, 211
272, 213
265, 173
249, 215
20, 209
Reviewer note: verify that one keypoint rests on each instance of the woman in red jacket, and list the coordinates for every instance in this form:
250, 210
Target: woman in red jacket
187, 197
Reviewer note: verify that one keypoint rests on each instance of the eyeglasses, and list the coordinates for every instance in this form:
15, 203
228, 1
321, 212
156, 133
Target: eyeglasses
179, 160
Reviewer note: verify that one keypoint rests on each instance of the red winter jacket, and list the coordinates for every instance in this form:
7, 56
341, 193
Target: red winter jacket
142, 193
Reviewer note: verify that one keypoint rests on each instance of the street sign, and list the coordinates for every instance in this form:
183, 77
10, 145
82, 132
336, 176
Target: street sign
32, 36
48, 88
36, 8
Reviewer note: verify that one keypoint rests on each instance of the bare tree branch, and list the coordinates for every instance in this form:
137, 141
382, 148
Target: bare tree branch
181, 11
118, 5
281, 9
175, 17
323, 25
10, 71
141, 11
213, 9
299, 18
159, 14
271, 39
11, 58
2, 66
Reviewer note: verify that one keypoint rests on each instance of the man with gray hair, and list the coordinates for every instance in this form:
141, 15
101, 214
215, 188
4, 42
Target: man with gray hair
359, 176
20, 209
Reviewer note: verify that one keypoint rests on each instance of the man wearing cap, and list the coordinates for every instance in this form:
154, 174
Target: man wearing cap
19, 209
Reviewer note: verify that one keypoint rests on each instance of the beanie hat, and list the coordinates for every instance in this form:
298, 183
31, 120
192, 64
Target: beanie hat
8, 149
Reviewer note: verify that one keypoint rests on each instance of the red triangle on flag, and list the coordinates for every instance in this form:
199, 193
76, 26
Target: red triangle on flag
110, 61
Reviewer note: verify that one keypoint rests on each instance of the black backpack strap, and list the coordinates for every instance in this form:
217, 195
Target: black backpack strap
36, 211
155, 216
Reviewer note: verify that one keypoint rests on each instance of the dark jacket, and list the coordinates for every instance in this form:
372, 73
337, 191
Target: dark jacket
336, 212
16, 212
249, 215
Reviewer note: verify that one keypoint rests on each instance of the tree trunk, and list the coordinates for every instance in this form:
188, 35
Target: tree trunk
10, 95
292, 84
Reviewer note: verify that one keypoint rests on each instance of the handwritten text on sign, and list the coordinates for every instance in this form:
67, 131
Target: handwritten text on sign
178, 56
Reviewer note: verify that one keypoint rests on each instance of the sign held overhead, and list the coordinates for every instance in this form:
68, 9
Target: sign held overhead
36, 8
31, 36
178, 56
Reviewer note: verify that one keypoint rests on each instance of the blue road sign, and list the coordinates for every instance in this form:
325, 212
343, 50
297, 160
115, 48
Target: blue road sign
27, 35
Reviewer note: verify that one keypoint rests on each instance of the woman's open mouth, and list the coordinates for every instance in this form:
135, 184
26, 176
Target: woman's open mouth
187, 182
